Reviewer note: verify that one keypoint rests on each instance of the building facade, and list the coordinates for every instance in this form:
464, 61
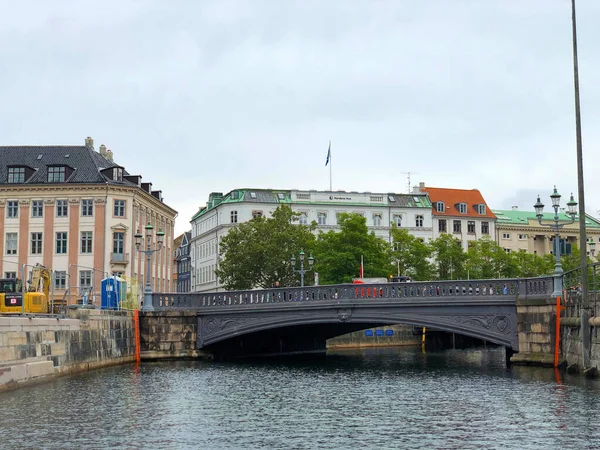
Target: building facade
212, 222
184, 263
75, 211
520, 230
463, 213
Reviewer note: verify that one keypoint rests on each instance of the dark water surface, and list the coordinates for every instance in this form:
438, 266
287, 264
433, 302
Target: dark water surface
364, 399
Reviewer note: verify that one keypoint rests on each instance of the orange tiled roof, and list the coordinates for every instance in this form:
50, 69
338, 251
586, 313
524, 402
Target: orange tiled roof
452, 198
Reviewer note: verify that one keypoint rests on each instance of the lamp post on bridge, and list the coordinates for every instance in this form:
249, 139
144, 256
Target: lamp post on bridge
302, 271
149, 251
556, 226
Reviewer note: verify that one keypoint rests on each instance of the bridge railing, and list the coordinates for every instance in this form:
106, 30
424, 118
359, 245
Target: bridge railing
573, 291
428, 290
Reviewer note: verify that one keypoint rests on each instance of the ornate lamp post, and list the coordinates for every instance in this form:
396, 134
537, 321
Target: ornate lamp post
302, 271
556, 226
149, 251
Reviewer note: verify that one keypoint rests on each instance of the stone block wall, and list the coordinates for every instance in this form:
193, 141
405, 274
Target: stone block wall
536, 325
169, 334
34, 348
403, 335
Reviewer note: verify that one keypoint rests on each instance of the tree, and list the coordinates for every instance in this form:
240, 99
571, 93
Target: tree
531, 265
411, 255
486, 260
449, 257
338, 254
257, 253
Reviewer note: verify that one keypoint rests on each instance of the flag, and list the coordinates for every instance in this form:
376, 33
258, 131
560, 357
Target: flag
328, 154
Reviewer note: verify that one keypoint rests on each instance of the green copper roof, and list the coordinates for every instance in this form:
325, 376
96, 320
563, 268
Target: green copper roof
512, 217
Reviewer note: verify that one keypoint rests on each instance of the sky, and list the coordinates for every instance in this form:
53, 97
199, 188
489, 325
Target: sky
213, 95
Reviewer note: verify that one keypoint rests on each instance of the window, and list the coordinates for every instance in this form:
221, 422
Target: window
440, 207
456, 226
256, 213
61, 208
303, 218
87, 207
86, 242
522, 237
507, 250
56, 174
119, 208
338, 217
505, 235
377, 220
418, 221
16, 175
61, 242
12, 209
117, 174
118, 242
397, 219
471, 226
85, 279
11, 275
60, 279
234, 217
462, 208
253, 195
481, 209
11, 243
37, 208
485, 228
36, 243
391, 198
280, 196
322, 218
442, 226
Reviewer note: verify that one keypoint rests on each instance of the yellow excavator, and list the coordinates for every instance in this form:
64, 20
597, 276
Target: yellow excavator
34, 300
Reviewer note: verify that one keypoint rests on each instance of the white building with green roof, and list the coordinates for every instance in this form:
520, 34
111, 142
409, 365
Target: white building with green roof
212, 222
519, 230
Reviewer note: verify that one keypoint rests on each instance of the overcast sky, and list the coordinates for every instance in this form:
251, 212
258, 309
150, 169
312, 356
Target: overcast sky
203, 96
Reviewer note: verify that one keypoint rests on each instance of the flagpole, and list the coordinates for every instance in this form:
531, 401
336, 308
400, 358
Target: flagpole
330, 164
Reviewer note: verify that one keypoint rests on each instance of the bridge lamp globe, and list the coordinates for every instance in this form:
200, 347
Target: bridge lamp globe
311, 261
572, 205
539, 208
160, 237
149, 229
138, 239
301, 256
293, 261
555, 197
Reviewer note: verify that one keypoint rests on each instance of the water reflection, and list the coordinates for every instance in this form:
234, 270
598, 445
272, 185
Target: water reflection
368, 398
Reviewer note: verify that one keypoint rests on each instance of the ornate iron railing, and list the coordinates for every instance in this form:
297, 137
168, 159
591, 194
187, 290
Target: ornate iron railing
572, 291
462, 289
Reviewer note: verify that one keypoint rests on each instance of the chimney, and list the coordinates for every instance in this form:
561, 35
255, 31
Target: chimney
514, 208
421, 186
109, 155
103, 150
89, 142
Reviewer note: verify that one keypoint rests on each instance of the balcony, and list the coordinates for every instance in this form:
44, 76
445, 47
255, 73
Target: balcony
119, 258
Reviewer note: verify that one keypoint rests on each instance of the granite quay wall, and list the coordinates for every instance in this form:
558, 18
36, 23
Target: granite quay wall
536, 325
169, 334
572, 344
401, 335
33, 349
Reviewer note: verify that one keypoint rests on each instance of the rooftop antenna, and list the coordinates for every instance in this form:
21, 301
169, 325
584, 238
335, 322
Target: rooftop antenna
408, 174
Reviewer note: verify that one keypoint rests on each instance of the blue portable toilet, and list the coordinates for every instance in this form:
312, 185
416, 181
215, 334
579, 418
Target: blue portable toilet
114, 290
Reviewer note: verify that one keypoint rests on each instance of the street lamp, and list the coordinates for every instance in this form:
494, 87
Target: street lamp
149, 251
302, 271
556, 226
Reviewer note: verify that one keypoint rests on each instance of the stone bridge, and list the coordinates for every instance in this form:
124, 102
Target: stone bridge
289, 320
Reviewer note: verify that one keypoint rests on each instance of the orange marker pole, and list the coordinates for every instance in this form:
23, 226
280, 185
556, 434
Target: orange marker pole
557, 345
136, 323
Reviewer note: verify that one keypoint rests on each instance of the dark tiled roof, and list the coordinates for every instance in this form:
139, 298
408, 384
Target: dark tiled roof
86, 163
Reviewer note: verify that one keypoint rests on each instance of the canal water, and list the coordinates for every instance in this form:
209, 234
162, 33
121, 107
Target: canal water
363, 399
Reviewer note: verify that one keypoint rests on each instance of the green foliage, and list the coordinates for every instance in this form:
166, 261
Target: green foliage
257, 253
486, 259
449, 257
338, 254
532, 265
410, 255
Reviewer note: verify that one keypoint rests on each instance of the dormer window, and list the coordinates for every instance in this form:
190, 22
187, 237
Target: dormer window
480, 208
462, 208
117, 174
16, 175
280, 196
56, 174
440, 207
